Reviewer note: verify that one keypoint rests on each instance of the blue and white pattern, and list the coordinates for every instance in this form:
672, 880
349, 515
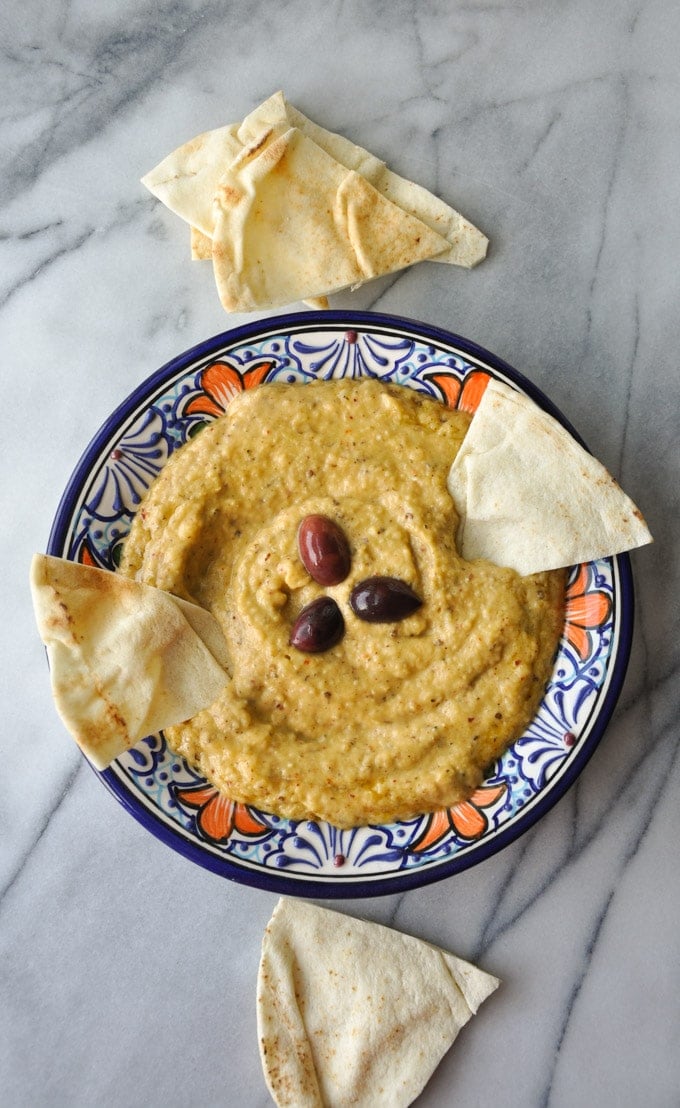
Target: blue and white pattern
309, 857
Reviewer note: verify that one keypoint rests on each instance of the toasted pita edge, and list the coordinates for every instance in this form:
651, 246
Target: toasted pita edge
126, 659
338, 231
350, 1011
201, 246
201, 251
530, 497
187, 178
467, 244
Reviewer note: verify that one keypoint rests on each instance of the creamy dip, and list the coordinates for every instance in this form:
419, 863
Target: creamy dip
397, 718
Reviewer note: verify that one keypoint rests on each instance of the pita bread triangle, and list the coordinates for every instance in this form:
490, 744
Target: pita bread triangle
126, 659
467, 245
187, 179
293, 224
351, 1012
201, 246
530, 497
201, 251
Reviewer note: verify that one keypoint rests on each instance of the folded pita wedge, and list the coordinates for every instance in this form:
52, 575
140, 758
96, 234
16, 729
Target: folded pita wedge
187, 179
467, 245
530, 497
201, 251
292, 224
354, 1013
126, 659
201, 246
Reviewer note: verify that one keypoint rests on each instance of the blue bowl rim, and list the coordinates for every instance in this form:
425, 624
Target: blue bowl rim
405, 880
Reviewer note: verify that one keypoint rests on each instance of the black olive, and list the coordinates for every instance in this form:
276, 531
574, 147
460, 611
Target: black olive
383, 600
318, 627
324, 549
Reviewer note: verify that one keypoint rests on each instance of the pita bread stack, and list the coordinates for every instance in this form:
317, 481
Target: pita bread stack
289, 211
354, 1013
530, 497
126, 659
291, 223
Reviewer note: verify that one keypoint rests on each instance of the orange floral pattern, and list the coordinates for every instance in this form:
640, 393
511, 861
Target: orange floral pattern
86, 557
221, 382
94, 528
466, 395
586, 611
468, 819
218, 816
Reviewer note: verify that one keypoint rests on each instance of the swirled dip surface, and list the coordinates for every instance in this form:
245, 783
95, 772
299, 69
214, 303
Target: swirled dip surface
397, 718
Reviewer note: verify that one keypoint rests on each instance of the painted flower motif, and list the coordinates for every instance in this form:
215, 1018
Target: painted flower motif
467, 819
218, 816
220, 382
350, 354
130, 468
87, 556
465, 395
100, 549
586, 611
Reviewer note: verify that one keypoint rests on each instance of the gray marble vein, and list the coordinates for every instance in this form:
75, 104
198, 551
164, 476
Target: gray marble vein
127, 974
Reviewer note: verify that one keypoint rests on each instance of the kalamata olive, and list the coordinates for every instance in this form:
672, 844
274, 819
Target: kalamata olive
318, 627
383, 600
324, 550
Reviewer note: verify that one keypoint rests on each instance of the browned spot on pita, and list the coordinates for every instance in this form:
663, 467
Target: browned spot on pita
333, 1039
126, 659
257, 145
227, 195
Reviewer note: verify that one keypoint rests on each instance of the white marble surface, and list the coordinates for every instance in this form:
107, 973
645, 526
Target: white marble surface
128, 974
